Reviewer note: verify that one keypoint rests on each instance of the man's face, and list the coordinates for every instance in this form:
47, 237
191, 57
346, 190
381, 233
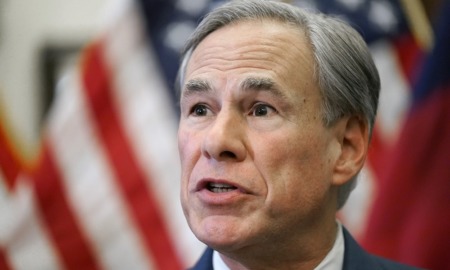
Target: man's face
257, 161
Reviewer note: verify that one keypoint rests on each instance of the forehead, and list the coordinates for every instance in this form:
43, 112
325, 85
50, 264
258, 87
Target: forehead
257, 47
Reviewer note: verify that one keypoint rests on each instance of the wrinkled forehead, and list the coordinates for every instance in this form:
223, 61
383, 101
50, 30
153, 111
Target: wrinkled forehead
295, 29
261, 23
263, 54
256, 40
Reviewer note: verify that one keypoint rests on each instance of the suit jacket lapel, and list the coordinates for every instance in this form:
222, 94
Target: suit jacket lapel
205, 261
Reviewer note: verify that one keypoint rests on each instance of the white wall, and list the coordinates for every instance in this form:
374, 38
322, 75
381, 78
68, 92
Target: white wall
25, 25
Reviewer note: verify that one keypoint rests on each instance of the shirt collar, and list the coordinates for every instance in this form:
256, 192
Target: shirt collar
218, 263
334, 259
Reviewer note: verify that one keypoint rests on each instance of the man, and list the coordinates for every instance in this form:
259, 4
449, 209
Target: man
277, 108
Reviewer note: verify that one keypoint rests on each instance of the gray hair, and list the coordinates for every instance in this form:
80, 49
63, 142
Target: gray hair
344, 69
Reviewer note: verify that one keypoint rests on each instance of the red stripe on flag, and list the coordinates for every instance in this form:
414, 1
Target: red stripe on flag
9, 163
377, 151
128, 174
4, 264
409, 57
56, 212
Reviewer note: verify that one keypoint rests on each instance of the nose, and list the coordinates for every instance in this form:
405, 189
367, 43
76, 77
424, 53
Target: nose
225, 138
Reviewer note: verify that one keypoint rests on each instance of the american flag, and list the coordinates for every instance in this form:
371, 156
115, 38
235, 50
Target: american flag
104, 192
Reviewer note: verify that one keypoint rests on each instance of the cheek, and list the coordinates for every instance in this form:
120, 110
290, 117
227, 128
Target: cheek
285, 154
188, 150
187, 147
296, 172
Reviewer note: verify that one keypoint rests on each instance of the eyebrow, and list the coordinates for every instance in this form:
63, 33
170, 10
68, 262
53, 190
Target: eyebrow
262, 84
248, 84
256, 83
196, 86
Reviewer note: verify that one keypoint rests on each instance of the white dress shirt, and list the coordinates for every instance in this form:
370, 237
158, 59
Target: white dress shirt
333, 261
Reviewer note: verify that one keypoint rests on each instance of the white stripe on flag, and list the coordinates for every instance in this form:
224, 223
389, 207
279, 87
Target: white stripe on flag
150, 122
21, 231
394, 94
89, 183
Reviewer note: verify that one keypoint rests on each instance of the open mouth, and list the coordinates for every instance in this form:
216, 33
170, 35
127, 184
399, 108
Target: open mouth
219, 188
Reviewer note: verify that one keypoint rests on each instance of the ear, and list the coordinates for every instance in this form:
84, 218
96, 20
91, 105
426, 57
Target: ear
353, 136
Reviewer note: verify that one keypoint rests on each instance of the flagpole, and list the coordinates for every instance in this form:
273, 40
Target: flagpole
419, 23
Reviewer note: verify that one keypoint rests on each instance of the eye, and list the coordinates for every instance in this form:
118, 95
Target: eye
262, 110
199, 110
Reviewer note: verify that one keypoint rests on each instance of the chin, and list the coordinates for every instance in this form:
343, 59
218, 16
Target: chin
219, 233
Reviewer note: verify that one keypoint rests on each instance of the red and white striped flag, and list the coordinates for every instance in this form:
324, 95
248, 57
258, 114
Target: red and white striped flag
104, 193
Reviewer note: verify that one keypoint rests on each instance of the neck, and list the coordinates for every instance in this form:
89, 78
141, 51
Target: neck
292, 253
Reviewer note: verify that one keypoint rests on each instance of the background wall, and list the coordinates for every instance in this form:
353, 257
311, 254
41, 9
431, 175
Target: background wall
26, 28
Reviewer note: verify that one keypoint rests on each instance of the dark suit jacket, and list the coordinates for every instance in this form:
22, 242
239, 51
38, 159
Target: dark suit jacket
355, 258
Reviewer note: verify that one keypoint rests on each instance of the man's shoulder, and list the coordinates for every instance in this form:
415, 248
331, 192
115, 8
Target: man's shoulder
355, 257
386, 264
